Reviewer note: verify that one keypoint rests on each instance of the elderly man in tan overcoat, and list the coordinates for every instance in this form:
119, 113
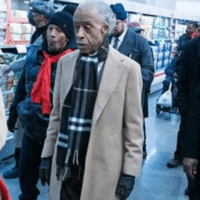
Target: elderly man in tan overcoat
95, 134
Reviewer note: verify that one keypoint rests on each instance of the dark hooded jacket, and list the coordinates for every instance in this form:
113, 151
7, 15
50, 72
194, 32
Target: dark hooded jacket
30, 115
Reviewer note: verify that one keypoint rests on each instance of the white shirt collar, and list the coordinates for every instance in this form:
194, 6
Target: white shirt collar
120, 38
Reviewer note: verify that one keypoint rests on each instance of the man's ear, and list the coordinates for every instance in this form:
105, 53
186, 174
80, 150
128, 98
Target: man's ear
105, 29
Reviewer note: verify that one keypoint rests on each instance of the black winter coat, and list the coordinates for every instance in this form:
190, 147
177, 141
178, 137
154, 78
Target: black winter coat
192, 133
188, 82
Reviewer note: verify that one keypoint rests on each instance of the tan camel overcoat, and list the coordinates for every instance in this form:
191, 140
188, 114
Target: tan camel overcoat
116, 138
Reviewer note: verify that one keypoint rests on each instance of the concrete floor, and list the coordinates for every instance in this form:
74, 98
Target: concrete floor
156, 182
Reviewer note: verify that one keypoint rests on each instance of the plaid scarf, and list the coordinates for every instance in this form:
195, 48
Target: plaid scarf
41, 89
77, 112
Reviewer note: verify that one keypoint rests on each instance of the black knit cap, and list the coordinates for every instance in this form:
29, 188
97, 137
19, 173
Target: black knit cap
70, 8
65, 22
119, 11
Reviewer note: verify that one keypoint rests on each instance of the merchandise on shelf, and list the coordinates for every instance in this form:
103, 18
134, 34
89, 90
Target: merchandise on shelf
8, 81
19, 14
164, 32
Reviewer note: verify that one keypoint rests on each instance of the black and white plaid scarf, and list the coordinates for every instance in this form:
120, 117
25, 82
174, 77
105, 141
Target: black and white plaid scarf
77, 112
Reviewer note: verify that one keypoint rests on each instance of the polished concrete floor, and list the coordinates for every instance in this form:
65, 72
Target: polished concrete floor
156, 182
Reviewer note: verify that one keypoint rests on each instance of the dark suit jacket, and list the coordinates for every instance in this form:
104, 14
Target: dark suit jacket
137, 48
189, 97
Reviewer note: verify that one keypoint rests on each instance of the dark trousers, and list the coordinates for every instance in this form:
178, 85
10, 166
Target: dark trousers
71, 188
194, 187
178, 153
29, 168
144, 144
17, 156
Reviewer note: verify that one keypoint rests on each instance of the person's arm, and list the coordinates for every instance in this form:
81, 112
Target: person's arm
192, 133
16, 65
20, 95
183, 83
191, 139
3, 127
169, 70
133, 124
133, 135
147, 65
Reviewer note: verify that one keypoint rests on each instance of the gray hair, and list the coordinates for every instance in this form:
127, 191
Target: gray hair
105, 12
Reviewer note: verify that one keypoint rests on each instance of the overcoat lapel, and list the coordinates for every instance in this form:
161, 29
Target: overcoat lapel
111, 74
125, 47
110, 77
69, 74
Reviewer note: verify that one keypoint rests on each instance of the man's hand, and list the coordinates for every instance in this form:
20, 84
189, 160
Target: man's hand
190, 166
11, 124
45, 170
125, 186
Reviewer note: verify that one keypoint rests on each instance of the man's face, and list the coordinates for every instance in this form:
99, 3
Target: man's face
36, 18
89, 30
56, 38
190, 29
119, 27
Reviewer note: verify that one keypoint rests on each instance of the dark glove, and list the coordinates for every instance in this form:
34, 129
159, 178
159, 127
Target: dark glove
11, 124
45, 170
125, 186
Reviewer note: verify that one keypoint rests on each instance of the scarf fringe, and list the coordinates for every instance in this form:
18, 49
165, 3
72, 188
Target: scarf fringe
65, 173
75, 157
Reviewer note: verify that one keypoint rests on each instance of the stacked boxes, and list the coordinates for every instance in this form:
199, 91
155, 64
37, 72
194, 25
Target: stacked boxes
9, 81
3, 17
20, 32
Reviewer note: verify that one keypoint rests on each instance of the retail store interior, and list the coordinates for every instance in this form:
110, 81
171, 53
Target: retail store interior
162, 23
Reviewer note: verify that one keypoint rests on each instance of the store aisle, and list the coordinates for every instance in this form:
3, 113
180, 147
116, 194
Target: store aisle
157, 182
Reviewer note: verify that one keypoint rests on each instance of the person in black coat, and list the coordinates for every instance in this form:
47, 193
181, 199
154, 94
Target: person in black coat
137, 48
176, 64
183, 39
189, 78
33, 98
191, 144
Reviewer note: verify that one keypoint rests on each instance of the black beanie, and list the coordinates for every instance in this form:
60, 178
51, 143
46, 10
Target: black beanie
65, 22
71, 8
119, 11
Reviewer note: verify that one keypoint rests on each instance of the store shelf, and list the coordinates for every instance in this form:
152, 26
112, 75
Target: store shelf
10, 39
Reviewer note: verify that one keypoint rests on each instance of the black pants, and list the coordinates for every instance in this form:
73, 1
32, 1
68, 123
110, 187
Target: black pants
144, 144
29, 168
194, 187
71, 188
17, 156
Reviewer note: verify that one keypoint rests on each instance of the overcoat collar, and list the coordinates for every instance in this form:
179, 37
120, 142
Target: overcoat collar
110, 77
